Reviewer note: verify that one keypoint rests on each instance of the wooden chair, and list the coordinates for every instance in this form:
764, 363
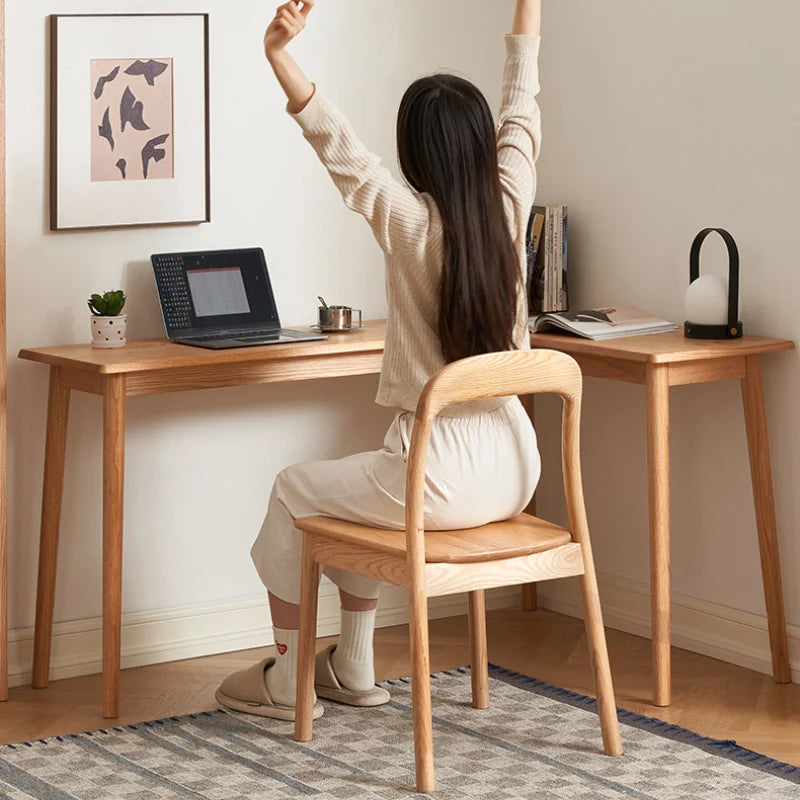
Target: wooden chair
434, 563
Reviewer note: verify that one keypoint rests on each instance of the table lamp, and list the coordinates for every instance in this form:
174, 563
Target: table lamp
712, 309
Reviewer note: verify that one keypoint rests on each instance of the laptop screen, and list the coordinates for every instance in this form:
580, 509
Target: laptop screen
215, 291
218, 291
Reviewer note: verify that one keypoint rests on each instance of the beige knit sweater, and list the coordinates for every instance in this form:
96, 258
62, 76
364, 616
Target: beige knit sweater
408, 227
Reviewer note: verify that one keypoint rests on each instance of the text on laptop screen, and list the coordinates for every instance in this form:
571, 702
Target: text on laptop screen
218, 291
215, 291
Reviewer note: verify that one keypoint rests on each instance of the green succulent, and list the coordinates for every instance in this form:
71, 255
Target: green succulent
109, 304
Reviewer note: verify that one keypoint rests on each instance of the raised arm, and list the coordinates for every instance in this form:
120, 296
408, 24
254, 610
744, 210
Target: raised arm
520, 132
528, 18
396, 215
289, 20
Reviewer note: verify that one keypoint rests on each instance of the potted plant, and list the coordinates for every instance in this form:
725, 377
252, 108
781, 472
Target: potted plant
107, 321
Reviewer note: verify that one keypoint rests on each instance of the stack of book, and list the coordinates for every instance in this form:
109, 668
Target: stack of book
547, 259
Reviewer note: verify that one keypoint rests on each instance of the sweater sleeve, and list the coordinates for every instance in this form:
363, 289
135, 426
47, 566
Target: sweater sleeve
520, 129
395, 213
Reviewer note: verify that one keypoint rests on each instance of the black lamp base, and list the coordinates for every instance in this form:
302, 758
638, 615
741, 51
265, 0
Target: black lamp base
693, 330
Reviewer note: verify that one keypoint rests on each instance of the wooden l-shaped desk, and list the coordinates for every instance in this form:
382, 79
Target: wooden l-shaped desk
155, 367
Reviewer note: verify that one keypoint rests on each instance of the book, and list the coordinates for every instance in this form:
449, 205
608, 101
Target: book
546, 249
535, 280
602, 323
558, 250
549, 255
564, 299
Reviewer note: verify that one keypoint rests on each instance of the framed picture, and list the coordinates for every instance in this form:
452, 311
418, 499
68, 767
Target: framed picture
129, 135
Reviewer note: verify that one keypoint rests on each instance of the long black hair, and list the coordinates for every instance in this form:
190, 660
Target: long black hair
447, 147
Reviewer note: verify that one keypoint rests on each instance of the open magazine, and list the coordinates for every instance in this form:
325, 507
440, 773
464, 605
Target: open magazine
602, 323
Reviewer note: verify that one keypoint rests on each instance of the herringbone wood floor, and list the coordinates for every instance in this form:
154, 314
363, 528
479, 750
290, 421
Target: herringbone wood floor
709, 696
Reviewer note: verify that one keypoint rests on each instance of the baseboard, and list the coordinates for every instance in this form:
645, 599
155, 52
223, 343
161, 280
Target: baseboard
714, 630
188, 632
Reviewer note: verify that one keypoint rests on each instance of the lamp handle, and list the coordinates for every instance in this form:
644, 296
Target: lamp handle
733, 269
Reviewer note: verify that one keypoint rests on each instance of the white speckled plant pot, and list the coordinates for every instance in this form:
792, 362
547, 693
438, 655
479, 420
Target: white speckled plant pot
109, 331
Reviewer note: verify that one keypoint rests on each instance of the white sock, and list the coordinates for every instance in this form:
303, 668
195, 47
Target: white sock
281, 677
352, 659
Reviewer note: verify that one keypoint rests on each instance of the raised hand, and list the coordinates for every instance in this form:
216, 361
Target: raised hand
289, 21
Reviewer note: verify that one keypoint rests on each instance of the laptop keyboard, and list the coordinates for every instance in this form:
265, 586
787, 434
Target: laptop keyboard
250, 337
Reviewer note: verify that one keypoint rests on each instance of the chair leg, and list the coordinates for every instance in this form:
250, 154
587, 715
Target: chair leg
478, 651
530, 597
421, 689
598, 655
309, 590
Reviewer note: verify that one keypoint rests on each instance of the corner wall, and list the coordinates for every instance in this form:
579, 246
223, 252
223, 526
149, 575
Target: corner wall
660, 119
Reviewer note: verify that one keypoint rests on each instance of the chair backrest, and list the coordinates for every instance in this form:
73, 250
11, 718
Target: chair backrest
500, 374
516, 372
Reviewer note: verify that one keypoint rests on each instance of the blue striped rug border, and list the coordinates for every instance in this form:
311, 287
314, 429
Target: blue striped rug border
725, 748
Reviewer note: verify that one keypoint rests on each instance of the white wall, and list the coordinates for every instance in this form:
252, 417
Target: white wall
199, 466
662, 118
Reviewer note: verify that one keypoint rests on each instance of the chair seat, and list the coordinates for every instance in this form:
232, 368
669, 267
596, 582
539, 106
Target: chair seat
519, 536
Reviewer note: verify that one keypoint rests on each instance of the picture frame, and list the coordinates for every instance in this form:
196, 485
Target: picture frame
129, 122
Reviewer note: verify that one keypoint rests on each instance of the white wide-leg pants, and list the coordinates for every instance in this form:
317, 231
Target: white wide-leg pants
480, 469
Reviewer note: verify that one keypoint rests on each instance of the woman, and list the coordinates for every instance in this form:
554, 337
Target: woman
454, 244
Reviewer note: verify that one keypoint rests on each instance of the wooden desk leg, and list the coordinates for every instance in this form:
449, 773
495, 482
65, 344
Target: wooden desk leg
113, 490
658, 484
530, 598
761, 475
52, 492
3, 526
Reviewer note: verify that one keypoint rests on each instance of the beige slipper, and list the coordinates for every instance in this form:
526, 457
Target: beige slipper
327, 685
247, 691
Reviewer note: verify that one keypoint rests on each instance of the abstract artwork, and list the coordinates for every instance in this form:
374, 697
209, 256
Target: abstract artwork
129, 140
132, 102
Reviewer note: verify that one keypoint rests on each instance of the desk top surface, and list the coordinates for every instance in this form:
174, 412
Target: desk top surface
152, 354
158, 354
661, 348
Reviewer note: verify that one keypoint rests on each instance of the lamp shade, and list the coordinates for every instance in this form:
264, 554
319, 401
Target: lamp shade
706, 300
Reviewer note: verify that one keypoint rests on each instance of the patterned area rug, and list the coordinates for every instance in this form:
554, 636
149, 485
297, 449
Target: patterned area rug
535, 741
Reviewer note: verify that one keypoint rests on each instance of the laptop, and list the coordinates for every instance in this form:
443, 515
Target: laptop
220, 299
